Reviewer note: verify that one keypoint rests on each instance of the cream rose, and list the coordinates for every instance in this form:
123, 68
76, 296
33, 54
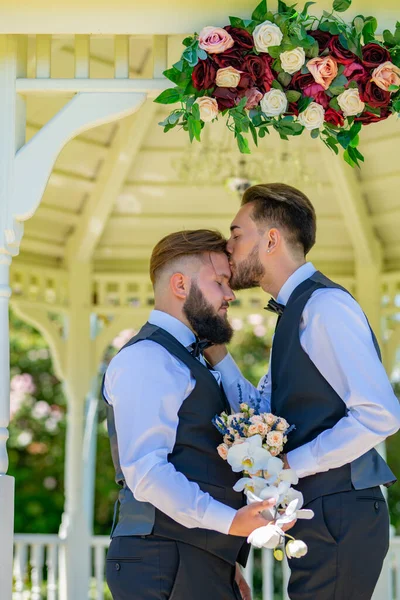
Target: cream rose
293, 60
350, 102
222, 450
215, 40
253, 430
228, 77
270, 419
385, 75
265, 35
208, 108
275, 438
274, 103
312, 117
323, 69
282, 424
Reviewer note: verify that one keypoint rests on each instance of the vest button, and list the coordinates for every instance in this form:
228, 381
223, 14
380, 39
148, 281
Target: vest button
117, 566
376, 505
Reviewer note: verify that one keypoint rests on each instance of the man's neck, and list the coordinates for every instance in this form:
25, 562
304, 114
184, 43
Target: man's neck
281, 275
178, 314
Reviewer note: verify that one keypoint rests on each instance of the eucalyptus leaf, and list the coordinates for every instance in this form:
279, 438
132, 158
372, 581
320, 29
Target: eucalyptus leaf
169, 96
341, 5
389, 38
275, 51
260, 12
243, 144
275, 84
201, 54
253, 132
304, 102
358, 23
237, 22
315, 134
293, 96
284, 78
307, 5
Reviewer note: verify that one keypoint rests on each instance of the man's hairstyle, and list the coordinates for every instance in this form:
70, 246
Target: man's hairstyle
184, 244
284, 206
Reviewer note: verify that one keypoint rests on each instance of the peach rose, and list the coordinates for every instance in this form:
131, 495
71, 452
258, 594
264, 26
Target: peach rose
208, 108
222, 450
253, 430
274, 452
323, 69
282, 425
253, 96
385, 75
215, 40
269, 419
275, 438
228, 77
256, 419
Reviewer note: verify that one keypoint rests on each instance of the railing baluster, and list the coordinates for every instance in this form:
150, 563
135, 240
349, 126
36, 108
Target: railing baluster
82, 56
249, 570
121, 57
267, 565
43, 56
20, 569
37, 562
99, 571
160, 55
52, 571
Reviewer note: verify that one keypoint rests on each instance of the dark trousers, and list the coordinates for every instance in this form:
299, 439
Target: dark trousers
155, 568
347, 540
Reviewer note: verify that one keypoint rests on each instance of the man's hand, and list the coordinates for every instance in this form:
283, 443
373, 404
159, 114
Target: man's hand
285, 461
249, 518
242, 584
214, 354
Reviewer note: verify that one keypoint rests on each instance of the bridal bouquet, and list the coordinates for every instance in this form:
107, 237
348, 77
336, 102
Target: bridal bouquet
251, 444
288, 71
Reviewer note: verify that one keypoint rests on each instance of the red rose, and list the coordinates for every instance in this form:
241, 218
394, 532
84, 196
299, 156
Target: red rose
322, 37
225, 97
373, 95
259, 68
320, 97
241, 37
367, 117
231, 58
334, 117
342, 55
203, 75
355, 72
246, 82
292, 109
305, 83
374, 55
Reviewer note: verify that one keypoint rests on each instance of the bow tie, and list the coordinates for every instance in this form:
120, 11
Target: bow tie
198, 347
275, 307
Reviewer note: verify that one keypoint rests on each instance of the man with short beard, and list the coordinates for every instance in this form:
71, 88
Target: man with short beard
181, 528
326, 379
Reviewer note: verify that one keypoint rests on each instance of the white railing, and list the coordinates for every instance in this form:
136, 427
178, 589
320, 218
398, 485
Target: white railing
36, 569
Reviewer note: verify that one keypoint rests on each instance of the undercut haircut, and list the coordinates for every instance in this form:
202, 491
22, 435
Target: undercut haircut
283, 206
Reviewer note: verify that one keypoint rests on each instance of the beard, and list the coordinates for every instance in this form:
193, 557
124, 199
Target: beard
248, 273
204, 320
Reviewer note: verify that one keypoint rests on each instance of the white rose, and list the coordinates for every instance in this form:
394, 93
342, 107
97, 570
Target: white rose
350, 102
293, 60
296, 549
312, 117
208, 108
265, 35
274, 103
228, 77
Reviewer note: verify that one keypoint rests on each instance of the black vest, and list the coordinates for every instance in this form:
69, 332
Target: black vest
302, 396
194, 454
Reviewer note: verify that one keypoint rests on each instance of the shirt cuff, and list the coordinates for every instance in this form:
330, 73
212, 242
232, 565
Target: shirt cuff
228, 369
218, 517
302, 461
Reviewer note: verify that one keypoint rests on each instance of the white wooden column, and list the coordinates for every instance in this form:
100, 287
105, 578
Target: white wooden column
75, 557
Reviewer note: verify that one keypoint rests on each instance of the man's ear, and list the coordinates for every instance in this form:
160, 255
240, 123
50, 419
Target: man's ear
180, 285
272, 238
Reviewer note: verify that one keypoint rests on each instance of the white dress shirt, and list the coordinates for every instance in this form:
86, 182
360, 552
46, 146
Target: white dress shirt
146, 386
334, 332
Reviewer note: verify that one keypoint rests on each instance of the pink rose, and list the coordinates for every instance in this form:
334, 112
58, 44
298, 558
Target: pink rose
323, 69
385, 75
355, 72
223, 451
253, 96
215, 40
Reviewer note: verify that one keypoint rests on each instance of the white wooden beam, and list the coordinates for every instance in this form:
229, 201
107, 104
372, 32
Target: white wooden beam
152, 87
388, 217
57, 215
41, 247
122, 152
351, 201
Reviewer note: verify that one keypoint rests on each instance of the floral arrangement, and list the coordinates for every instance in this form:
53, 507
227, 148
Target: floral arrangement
251, 444
288, 71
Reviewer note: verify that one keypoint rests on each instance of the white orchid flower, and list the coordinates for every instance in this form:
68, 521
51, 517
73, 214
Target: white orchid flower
268, 536
249, 456
250, 484
296, 549
290, 476
268, 492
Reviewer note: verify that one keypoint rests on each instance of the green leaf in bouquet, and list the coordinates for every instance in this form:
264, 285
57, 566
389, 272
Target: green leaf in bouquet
196, 111
201, 54
331, 142
389, 38
293, 96
341, 5
396, 105
359, 23
353, 85
307, 5
276, 85
304, 102
343, 41
260, 12
253, 132
174, 75
256, 117
275, 51
190, 56
169, 96
284, 78
355, 141
179, 66
344, 139
334, 104
243, 144
304, 70
313, 50
373, 110
282, 7
188, 41
334, 29
315, 134
393, 88
194, 128
237, 22
287, 126
324, 26
368, 32
338, 85
397, 34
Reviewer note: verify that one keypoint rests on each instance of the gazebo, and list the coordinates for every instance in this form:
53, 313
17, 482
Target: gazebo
89, 183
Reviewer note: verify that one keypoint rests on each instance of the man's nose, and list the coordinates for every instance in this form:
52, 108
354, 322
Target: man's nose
229, 247
230, 296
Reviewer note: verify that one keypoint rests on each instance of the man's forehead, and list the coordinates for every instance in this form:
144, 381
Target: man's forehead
220, 264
